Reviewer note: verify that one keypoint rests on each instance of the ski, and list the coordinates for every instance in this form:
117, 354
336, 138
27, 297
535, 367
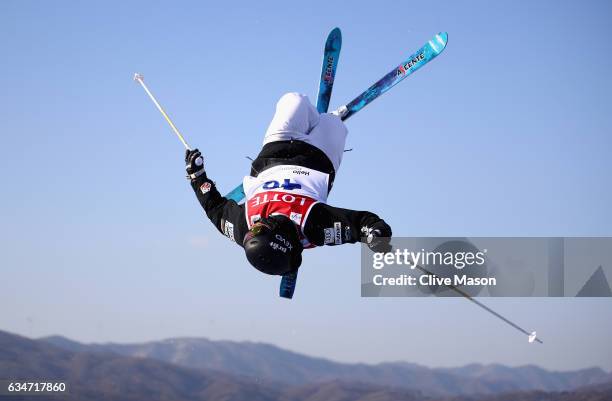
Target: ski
423, 56
331, 55
287, 285
236, 194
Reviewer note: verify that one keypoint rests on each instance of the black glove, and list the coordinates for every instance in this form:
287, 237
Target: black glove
194, 163
378, 236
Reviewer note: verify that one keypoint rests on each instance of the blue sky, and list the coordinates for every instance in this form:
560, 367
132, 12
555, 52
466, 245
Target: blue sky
505, 134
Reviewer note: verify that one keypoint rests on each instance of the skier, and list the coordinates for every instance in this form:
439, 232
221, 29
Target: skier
285, 210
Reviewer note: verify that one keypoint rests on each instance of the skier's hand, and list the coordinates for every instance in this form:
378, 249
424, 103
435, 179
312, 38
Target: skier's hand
194, 163
378, 236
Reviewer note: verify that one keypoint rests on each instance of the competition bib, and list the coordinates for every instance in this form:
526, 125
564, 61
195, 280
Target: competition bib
296, 180
290, 191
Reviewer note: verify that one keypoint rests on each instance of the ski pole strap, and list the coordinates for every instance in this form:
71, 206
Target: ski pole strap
196, 174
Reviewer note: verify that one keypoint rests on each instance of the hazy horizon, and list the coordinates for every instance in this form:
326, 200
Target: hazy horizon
305, 354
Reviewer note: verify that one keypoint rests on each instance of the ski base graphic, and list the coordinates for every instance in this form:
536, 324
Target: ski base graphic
331, 55
417, 60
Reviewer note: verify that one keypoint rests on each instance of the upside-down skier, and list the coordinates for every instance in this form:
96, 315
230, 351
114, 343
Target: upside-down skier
285, 209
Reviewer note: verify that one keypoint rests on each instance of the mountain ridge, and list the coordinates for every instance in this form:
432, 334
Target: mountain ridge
271, 363
105, 376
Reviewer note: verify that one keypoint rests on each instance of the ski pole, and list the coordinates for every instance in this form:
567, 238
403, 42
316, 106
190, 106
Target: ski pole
140, 79
531, 336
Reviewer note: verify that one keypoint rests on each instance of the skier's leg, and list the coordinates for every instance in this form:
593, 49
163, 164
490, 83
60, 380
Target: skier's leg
297, 119
294, 118
329, 135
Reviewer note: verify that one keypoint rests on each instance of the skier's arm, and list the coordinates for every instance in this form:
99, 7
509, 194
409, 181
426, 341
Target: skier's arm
328, 225
225, 214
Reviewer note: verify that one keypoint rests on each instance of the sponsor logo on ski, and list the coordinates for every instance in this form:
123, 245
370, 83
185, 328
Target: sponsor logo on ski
402, 69
329, 70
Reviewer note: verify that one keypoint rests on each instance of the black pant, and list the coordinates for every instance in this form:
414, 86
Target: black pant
296, 153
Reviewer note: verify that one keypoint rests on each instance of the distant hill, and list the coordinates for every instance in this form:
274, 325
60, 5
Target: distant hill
338, 391
270, 363
106, 376
600, 392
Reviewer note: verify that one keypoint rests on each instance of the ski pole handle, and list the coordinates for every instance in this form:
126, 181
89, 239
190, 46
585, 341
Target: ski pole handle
140, 79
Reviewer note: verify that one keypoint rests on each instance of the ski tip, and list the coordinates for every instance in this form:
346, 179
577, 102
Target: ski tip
438, 43
335, 35
442, 38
